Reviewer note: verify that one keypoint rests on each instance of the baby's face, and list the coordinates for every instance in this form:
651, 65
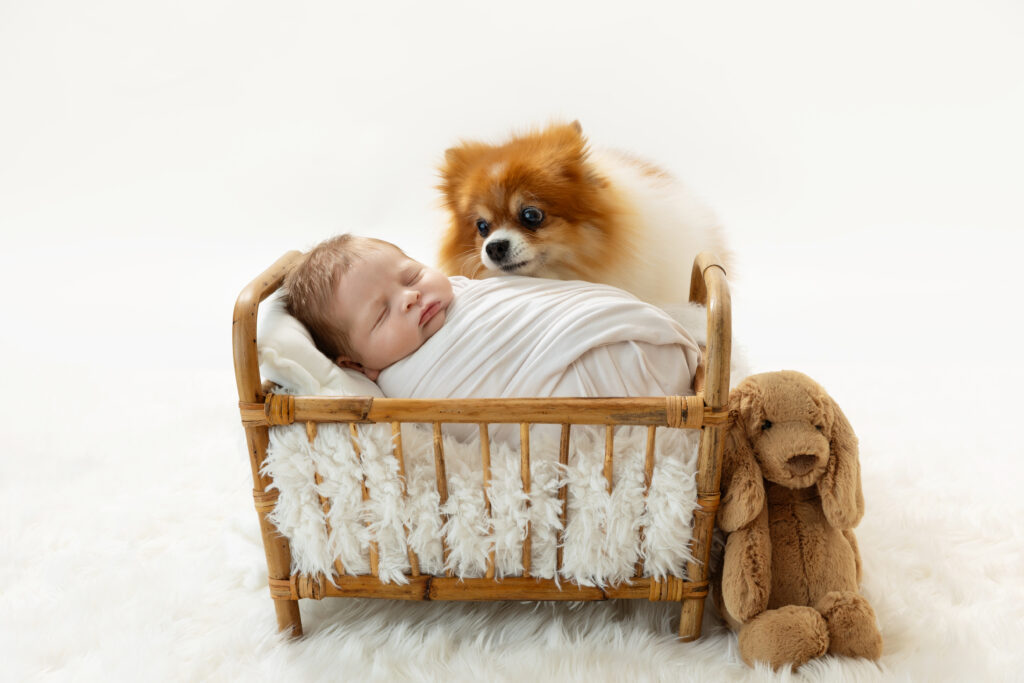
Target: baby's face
390, 305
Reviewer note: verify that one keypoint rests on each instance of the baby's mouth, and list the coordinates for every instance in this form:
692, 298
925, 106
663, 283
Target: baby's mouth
429, 312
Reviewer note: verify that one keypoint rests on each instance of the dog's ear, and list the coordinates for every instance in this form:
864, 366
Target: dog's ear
455, 157
842, 498
457, 248
742, 482
457, 162
573, 155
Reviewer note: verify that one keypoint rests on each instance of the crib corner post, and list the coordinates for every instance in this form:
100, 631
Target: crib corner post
708, 286
275, 546
712, 440
247, 378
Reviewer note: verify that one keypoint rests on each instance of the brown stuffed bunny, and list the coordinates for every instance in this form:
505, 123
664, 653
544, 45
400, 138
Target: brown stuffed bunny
791, 495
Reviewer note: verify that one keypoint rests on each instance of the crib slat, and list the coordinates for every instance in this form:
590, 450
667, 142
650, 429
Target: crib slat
524, 442
374, 555
442, 487
563, 490
648, 473
325, 505
609, 452
485, 456
396, 435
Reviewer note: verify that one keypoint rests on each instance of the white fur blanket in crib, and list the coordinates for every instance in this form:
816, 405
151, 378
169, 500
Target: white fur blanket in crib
602, 538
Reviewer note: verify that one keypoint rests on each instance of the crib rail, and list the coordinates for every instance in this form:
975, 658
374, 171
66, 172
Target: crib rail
672, 411
425, 587
707, 411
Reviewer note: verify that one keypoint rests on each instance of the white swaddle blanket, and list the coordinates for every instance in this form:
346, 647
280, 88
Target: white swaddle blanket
521, 336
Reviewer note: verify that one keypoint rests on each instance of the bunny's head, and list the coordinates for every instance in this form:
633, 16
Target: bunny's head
787, 430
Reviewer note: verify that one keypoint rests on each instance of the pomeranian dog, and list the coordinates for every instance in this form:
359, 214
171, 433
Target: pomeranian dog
544, 204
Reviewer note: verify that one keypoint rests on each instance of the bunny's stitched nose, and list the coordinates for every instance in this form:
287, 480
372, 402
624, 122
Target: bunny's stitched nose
801, 464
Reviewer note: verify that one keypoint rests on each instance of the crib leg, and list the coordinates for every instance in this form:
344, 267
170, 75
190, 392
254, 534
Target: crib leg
279, 567
690, 619
288, 618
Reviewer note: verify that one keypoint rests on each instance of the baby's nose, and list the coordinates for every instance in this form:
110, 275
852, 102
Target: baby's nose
411, 297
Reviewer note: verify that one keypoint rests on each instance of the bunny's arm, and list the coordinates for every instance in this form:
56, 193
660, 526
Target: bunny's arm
746, 571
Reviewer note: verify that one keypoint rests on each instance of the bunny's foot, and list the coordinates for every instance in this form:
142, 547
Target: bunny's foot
787, 635
851, 625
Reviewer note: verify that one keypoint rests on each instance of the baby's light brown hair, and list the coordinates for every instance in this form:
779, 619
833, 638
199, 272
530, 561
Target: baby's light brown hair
310, 285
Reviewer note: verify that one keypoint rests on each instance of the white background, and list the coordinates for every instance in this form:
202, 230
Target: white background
865, 160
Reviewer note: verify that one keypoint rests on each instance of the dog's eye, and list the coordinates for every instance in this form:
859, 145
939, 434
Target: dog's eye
767, 424
483, 227
819, 428
531, 216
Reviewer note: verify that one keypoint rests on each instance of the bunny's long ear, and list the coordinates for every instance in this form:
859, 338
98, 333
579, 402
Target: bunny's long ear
742, 483
842, 497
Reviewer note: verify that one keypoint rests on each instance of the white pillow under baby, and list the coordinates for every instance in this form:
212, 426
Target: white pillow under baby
602, 541
288, 357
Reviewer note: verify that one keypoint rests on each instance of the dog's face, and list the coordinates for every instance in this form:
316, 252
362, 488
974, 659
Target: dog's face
532, 206
788, 427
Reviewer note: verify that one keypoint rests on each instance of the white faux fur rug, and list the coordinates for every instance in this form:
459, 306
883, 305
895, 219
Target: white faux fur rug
136, 556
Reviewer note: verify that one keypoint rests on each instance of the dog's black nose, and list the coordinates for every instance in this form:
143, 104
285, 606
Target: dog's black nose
497, 250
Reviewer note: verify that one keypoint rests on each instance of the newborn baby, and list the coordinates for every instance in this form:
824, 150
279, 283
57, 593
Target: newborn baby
419, 334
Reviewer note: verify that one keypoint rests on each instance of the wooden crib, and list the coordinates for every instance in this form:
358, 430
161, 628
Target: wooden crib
707, 411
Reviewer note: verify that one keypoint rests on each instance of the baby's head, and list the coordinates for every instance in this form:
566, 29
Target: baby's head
365, 302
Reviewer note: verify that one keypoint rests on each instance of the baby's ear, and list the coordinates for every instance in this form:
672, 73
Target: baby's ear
349, 364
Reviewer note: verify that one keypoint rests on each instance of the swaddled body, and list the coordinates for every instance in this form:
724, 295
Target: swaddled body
522, 337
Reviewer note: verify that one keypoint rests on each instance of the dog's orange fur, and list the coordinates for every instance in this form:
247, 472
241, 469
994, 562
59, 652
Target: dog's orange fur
595, 228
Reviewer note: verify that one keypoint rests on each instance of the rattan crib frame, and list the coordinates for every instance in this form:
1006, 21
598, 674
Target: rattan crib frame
708, 411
